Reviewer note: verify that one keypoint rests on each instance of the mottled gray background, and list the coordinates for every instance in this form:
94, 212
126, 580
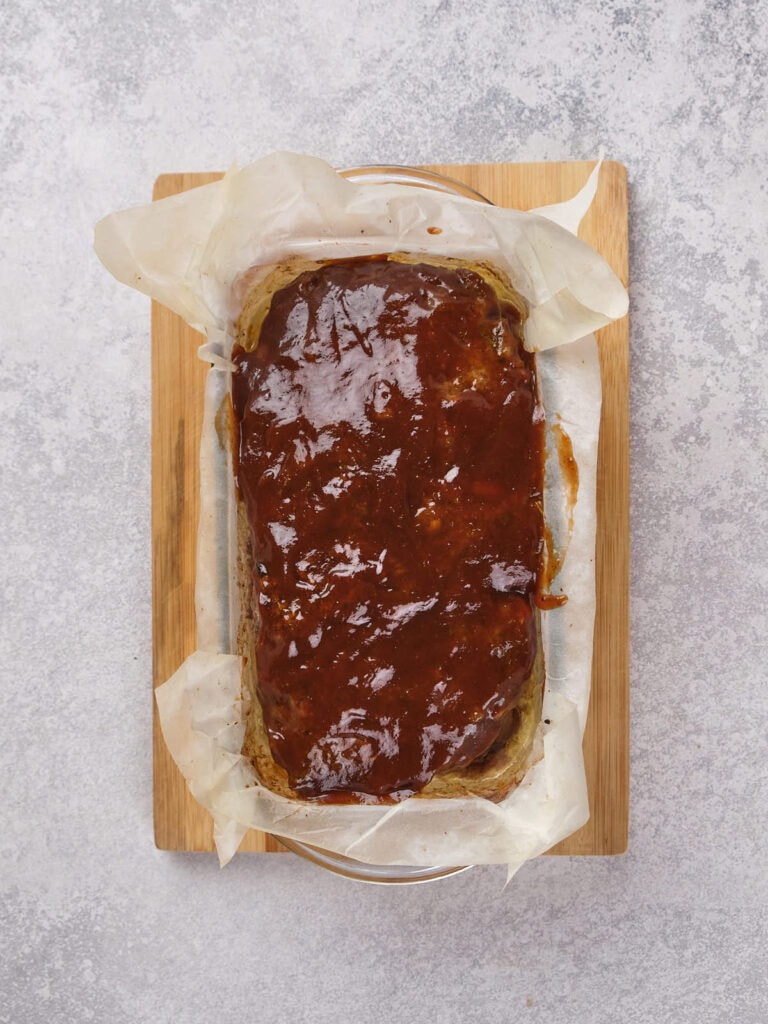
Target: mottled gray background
96, 100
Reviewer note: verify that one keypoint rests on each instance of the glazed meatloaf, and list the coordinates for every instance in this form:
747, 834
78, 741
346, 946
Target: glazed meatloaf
389, 478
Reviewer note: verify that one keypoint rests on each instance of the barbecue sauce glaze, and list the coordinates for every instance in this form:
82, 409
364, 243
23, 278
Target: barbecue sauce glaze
390, 460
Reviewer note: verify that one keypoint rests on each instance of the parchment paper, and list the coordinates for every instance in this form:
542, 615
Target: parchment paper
191, 252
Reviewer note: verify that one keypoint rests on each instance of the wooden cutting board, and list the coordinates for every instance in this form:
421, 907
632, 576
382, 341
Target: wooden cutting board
177, 410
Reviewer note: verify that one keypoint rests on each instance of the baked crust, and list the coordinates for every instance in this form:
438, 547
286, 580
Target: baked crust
493, 774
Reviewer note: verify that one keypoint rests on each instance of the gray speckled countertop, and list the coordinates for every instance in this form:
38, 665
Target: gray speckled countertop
99, 98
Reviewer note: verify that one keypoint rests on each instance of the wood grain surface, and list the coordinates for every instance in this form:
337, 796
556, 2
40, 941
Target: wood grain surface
177, 409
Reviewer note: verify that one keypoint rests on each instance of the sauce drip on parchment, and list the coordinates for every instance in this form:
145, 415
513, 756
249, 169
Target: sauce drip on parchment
390, 460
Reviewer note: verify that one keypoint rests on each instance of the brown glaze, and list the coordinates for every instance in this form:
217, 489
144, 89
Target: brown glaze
569, 471
569, 487
391, 466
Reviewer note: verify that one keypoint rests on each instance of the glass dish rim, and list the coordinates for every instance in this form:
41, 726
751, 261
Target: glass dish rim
419, 177
374, 874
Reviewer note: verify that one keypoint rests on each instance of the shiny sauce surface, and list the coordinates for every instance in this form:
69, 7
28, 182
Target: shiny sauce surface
390, 461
